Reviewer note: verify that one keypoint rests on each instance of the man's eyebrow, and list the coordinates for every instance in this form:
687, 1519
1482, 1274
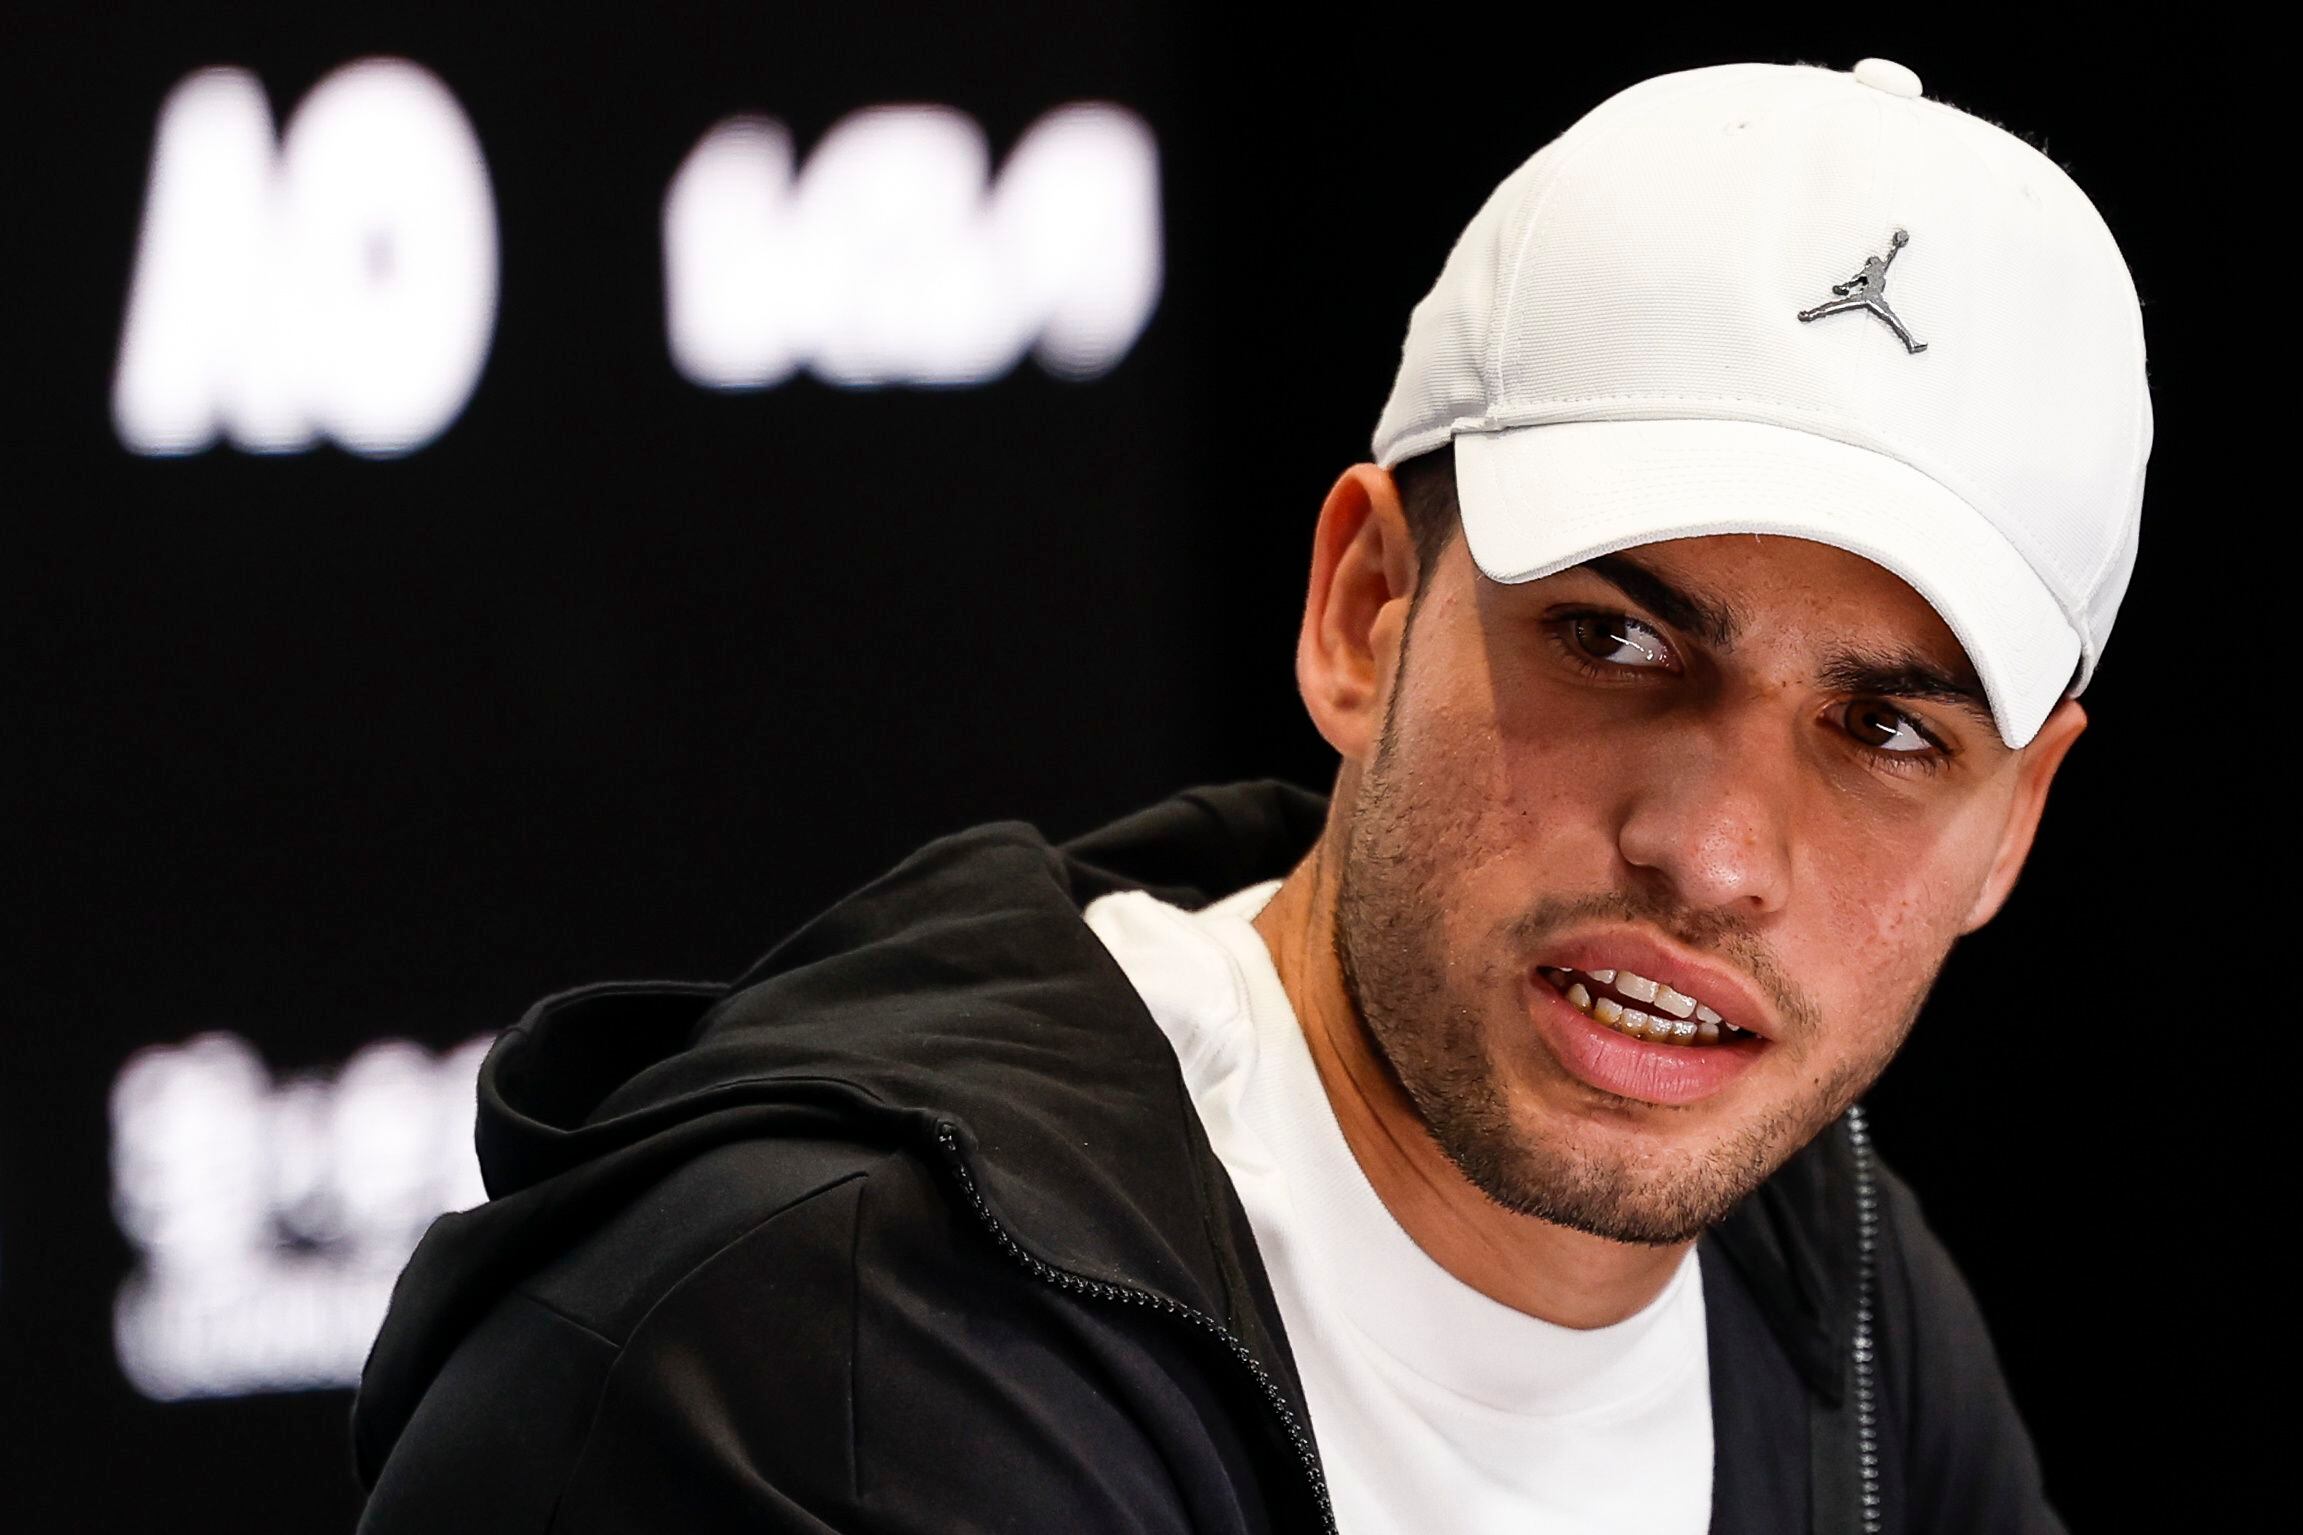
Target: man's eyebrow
1888, 674
1908, 674
1708, 620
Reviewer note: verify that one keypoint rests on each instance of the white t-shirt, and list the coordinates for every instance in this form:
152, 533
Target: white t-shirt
1436, 1409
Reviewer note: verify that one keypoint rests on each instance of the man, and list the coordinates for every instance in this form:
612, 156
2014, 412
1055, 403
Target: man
1475, 1150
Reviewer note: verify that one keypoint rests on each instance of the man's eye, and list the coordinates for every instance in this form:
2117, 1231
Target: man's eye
1619, 639
1885, 729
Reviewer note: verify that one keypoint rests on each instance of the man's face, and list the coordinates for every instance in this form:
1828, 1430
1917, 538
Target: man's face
1567, 782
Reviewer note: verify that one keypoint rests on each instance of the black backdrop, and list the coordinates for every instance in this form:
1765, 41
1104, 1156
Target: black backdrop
619, 676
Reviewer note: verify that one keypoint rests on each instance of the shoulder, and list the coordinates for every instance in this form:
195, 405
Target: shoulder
813, 1335
785, 1193
869, 1357
506, 1418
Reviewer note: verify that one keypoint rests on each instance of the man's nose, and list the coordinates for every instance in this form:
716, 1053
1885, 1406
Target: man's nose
1710, 817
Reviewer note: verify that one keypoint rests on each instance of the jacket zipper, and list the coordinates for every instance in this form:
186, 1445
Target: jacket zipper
1866, 1252
1079, 1284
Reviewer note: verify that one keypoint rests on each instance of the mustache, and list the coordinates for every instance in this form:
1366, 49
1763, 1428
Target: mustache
1712, 934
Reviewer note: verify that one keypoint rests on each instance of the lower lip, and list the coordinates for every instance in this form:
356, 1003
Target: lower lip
1615, 1063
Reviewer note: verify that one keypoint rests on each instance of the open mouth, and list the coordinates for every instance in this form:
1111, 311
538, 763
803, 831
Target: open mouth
1640, 1008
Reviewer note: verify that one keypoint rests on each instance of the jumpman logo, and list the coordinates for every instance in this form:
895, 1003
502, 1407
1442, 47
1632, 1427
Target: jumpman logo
1867, 289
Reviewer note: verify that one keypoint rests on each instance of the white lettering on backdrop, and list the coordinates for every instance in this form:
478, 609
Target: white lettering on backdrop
339, 282
892, 258
272, 1217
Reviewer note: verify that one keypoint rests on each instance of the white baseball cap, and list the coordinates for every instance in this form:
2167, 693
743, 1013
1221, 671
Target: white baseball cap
1777, 298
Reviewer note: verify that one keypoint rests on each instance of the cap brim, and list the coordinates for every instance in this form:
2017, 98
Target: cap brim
1538, 499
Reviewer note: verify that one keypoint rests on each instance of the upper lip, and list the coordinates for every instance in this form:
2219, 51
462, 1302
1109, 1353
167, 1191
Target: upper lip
1723, 991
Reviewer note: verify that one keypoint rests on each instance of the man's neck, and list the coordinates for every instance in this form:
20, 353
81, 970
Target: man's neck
1545, 1270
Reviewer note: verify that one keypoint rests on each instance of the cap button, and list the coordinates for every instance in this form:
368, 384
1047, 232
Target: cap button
1888, 76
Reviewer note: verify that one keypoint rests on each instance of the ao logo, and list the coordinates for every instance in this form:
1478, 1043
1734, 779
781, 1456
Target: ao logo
893, 259
339, 282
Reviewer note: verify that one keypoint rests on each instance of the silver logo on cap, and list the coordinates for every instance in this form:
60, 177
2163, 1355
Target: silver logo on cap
1867, 289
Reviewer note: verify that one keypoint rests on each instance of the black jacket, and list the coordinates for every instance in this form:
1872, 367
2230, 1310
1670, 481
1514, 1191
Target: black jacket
913, 1229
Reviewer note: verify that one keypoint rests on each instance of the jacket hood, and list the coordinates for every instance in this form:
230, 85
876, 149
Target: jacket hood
957, 998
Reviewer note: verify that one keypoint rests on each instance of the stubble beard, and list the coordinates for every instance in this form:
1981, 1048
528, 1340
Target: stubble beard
1392, 892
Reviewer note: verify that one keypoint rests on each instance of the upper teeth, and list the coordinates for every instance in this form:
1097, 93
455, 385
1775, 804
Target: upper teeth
1665, 999
1669, 1023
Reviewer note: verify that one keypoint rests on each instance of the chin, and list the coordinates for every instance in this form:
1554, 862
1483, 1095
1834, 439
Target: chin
1629, 1171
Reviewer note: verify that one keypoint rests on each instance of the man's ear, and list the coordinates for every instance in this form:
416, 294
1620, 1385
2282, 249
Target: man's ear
2034, 773
1363, 574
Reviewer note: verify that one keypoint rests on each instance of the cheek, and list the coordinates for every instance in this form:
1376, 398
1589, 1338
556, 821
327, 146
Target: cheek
1517, 806
1887, 912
